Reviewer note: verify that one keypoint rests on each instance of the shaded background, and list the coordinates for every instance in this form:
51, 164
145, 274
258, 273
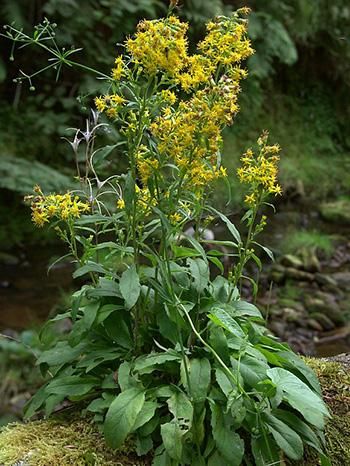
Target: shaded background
298, 88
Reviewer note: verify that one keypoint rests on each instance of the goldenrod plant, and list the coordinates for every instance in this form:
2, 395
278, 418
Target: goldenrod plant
162, 349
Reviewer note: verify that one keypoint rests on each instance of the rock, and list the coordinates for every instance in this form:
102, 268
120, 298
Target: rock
296, 274
313, 304
314, 325
290, 314
277, 273
310, 260
278, 328
336, 212
290, 260
325, 280
8, 259
342, 279
291, 303
323, 320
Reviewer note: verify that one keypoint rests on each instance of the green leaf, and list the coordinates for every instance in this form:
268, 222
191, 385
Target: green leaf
181, 408
230, 226
83, 325
87, 268
62, 353
146, 364
72, 385
200, 273
299, 396
252, 369
199, 377
285, 437
130, 286
222, 318
35, 402
121, 416
243, 308
172, 436
129, 192
146, 414
223, 381
306, 433
265, 451
295, 364
217, 262
228, 442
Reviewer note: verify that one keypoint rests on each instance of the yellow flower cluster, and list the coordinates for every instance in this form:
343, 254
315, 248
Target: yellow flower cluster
111, 104
190, 136
160, 45
59, 206
260, 171
226, 43
118, 70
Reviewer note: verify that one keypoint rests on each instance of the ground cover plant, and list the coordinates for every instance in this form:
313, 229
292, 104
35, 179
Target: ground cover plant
162, 349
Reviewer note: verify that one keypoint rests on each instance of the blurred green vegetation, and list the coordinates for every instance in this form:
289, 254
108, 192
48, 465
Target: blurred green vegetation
298, 89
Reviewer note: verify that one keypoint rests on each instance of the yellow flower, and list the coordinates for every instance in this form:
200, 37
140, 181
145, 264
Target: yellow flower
118, 70
100, 103
159, 45
175, 218
120, 203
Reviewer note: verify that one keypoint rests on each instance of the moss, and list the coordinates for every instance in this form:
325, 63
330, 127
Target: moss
335, 382
61, 442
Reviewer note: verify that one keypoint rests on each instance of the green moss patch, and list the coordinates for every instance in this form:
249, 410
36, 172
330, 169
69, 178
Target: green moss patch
61, 442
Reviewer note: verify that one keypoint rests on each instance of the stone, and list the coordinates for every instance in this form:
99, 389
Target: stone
325, 280
299, 274
290, 314
342, 279
8, 259
336, 212
314, 325
323, 320
289, 260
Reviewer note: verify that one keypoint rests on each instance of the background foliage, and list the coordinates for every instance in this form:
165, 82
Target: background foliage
299, 84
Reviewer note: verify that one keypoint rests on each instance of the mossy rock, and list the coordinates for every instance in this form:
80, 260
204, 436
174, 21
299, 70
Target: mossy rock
62, 442
336, 212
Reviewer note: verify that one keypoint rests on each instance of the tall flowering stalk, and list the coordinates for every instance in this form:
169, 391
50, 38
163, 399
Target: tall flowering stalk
161, 349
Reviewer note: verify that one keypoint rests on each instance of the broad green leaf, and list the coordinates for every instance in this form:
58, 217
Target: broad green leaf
83, 325
183, 251
121, 416
147, 412
145, 364
87, 268
62, 353
35, 402
72, 385
285, 437
265, 451
217, 262
199, 378
228, 442
299, 396
130, 286
118, 330
306, 433
242, 308
222, 318
181, 408
224, 382
172, 436
230, 226
200, 273
252, 369
295, 363
143, 445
